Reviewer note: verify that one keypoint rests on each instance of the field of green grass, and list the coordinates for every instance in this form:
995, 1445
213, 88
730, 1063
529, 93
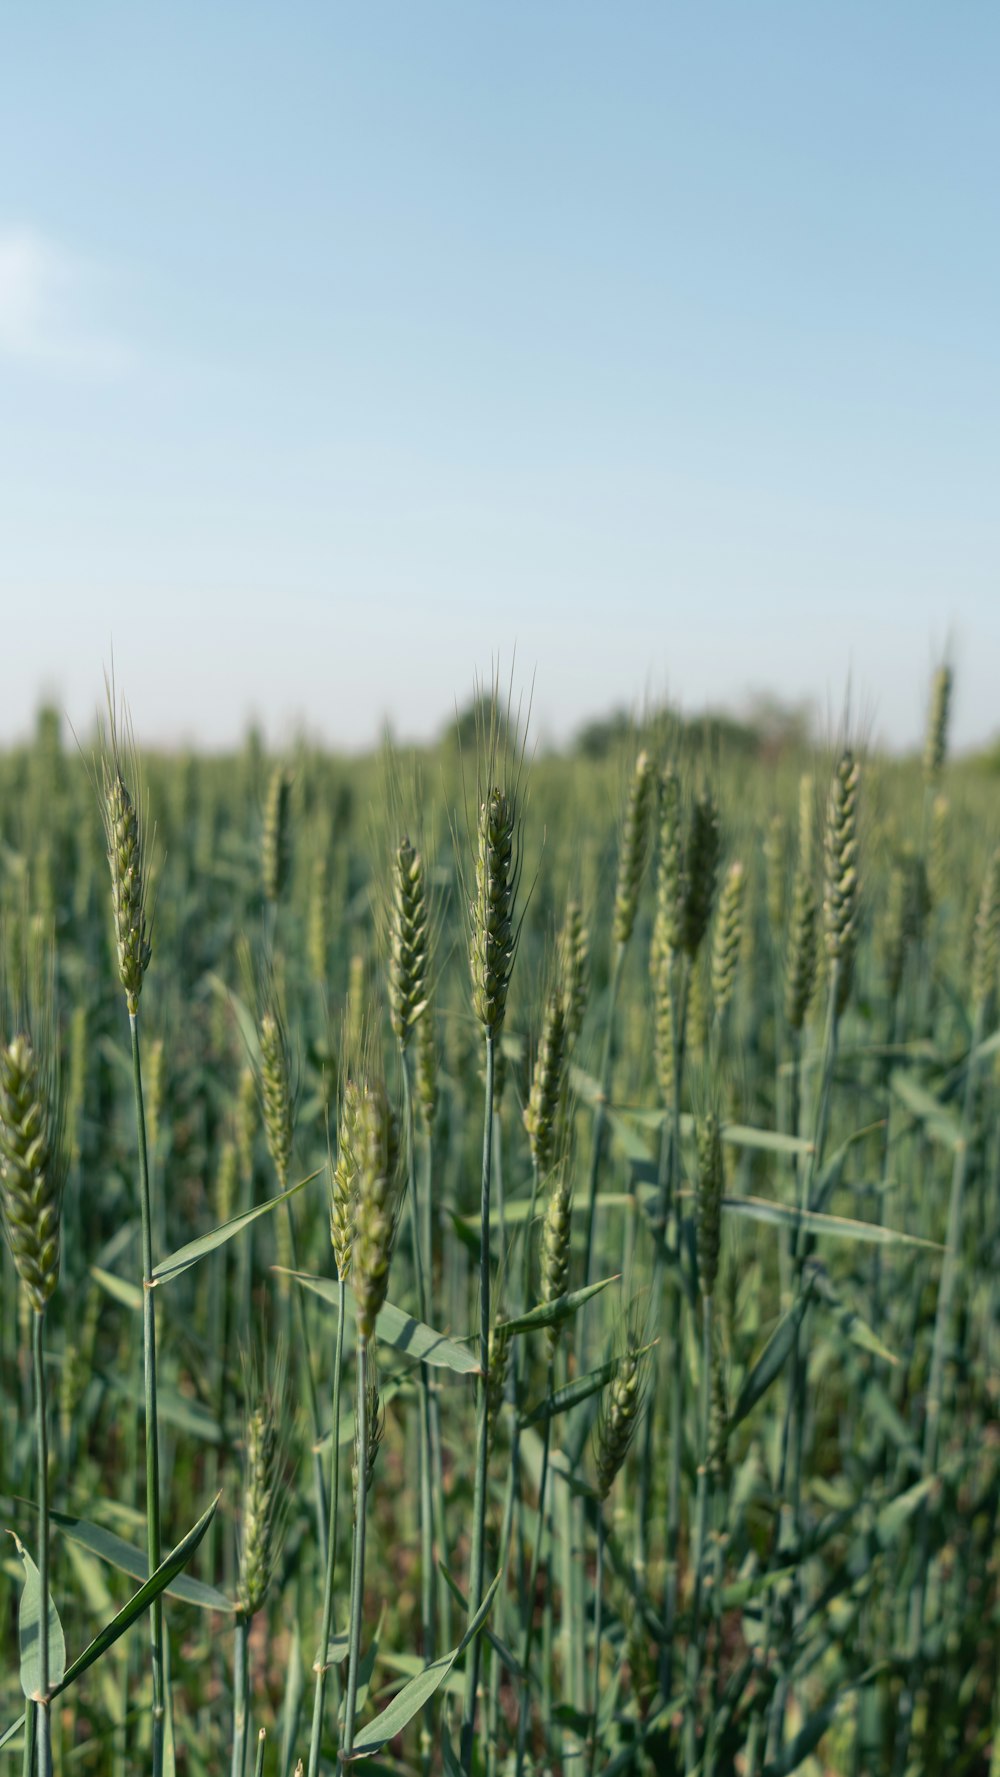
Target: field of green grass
512, 1245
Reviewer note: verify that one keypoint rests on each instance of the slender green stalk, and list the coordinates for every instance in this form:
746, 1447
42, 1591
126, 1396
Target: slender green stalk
42, 1446
529, 1619
644, 1479
526, 1252
259, 1761
679, 981
322, 1657
358, 1569
800, 1241
427, 1569
950, 1273
578, 1605
598, 1634
128, 1651
599, 1129
570, 1744
217, 1317
793, 1125
718, 1570
319, 1480
792, 1444
31, 1715
513, 1510
696, 1651
513, 1474
666, 1243
444, 1598
482, 1439
153, 1544
241, 1694
952, 1261
548, 1662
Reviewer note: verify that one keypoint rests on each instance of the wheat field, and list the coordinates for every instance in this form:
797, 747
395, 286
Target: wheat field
509, 1242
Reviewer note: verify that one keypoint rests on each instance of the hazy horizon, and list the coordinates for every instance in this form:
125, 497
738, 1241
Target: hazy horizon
820, 726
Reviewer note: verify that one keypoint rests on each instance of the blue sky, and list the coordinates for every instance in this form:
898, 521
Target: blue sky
343, 347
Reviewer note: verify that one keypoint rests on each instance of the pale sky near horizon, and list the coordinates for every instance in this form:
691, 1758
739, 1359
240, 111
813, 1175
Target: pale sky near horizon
343, 347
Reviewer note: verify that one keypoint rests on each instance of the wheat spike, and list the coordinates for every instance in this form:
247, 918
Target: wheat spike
727, 937
345, 1181
318, 927
409, 941
556, 1242
32, 1167
841, 891
986, 936
774, 860
493, 936
701, 870
276, 842
541, 1113
936, 746
710, 1186
574, 969
632, 850
497, 1370
427, 1066
670, 866
375, 1420
619, 1417
376, 1204
246, 1121
663, 1021
276, 1091
259, 1538
128, 882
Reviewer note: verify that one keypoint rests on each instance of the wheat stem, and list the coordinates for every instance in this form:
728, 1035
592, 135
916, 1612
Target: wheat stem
950, 1273
696, 1650
153, 1543
29, 1751
601, 1109
322, 1658
529, 1619
358, 1565
41, 1438
427, 1576
598, 1635
482, 1431
241, 1694
680, 974
790, 1480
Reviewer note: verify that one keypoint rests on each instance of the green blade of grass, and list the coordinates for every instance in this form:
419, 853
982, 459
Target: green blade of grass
550, 1314
851, 1323
122, 1555
419, 1690
894, 1516
173, 1408
186, 1256
770, 1362
410, 1337
118, 1288
940, 1123
762, 1209
136, 1607
29, 1619
561, 1400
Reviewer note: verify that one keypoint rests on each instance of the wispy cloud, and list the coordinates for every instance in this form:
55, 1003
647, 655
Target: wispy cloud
48, 299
